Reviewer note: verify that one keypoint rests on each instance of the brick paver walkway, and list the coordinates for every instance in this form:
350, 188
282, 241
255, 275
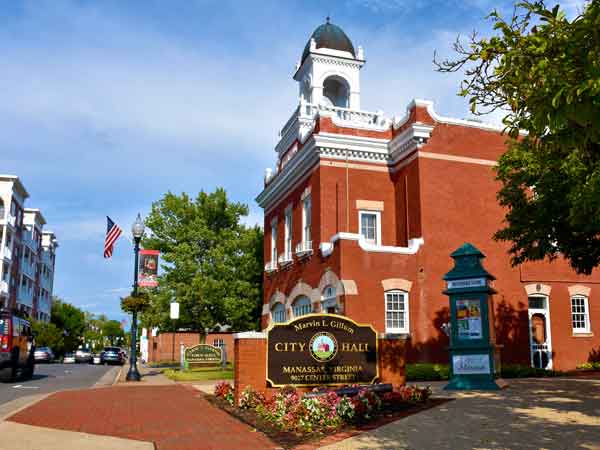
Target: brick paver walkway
173, 417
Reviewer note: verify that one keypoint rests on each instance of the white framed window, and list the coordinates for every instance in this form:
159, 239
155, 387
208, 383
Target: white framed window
329, 300
370, 226
220, 343
580, 318
278, 313
301, 306
288, 233
274, 241
396, 312
306, 219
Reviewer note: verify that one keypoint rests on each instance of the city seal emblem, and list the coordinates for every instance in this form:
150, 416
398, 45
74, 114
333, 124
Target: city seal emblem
323, 346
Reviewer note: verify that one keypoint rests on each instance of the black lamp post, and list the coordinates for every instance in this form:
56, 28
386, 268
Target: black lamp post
137, 229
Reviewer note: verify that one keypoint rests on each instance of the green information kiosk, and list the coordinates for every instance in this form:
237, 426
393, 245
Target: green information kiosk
472, 336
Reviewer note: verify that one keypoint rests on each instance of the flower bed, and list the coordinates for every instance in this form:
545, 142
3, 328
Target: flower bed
290, 418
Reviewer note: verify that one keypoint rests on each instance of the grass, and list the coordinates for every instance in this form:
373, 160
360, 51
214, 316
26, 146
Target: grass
200, 374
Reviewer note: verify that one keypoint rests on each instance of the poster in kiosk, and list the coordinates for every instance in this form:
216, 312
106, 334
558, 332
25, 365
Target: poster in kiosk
472, 336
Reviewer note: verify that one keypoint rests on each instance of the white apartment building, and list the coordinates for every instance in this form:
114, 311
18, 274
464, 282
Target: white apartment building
26, 253
47, 260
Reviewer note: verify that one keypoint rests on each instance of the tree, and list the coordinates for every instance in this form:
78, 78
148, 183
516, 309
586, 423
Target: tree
213, 262
71, 321
49, 335
543, 71
113, 331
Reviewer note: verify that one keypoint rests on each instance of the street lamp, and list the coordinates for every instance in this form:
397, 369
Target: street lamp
137, 229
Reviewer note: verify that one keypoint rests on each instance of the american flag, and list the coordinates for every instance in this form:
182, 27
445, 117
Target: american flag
112, 234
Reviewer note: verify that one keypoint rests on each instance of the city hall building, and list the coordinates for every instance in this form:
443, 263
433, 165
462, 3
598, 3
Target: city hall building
363, 210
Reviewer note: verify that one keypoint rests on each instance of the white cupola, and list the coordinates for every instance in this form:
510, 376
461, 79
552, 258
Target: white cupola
328, 72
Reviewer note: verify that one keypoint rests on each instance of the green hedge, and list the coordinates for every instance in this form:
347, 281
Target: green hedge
589, 366
519, 371
440, 372
427, 372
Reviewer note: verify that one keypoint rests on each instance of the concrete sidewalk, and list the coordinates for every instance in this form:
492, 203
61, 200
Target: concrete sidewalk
150, 376
531, 414
16, 436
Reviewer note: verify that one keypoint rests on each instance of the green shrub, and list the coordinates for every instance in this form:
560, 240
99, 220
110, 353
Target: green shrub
427, 372
520, 371
589, 366
440, 372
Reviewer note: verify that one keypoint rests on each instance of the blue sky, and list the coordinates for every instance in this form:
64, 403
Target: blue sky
106, 105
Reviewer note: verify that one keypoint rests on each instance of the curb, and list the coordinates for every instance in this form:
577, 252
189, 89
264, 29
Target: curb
118, 377
26, 403
30, 400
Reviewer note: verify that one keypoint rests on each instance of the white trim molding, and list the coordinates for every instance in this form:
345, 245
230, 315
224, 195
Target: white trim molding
428, 104
413, 245
250, 335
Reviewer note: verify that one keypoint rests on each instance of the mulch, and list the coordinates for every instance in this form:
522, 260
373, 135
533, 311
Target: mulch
303, 441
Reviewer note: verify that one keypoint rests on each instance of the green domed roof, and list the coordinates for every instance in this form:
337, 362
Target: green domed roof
329, 36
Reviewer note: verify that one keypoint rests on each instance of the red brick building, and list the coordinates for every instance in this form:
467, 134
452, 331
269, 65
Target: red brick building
362, 212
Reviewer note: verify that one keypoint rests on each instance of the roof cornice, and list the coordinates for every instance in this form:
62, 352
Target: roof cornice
18, 185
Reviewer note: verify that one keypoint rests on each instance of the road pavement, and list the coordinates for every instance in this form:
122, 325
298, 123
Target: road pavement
50, 378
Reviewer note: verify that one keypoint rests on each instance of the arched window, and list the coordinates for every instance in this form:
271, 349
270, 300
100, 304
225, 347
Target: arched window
278, 313
335, 89
329, 300
301, 306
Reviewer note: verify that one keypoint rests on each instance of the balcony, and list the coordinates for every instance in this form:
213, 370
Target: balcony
302, 122
271, 267
7, 253
8, 220
285, 259
304, 249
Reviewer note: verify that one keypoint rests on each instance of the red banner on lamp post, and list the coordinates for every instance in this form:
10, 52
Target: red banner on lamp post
148, 270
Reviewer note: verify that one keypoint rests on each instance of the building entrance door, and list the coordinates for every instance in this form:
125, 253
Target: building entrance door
539, 333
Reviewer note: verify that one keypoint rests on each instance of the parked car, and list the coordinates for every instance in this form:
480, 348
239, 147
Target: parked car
17, 347
83, 355
112, 355
97, 359
69, 358
43, 354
